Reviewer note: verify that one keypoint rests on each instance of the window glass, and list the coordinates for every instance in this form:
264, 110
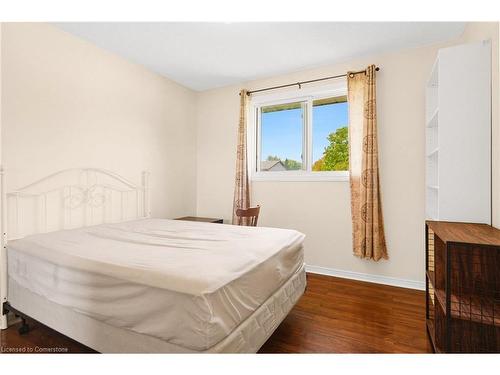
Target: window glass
330, 147
281, 137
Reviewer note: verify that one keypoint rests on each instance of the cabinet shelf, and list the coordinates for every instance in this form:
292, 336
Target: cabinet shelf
433, 120
471, 307
433, 153
434, 77
432, 335
431, 278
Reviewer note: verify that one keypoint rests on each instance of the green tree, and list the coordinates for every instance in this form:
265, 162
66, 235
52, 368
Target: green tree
319, 165
291, 164
336, 154
272, 158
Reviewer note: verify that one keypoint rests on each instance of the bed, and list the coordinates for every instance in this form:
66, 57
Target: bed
107, 275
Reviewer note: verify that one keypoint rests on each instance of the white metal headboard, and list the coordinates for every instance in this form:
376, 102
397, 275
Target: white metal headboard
72, 198
67, 199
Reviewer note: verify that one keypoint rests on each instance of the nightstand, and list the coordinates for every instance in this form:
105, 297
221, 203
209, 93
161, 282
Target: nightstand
201, 219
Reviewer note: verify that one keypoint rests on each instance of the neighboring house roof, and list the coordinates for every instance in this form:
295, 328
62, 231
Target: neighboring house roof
272, 165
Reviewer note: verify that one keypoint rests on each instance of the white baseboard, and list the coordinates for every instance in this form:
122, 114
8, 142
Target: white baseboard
377, 279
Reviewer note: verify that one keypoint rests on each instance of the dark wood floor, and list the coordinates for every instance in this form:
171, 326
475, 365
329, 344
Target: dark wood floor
345, 316
334, 316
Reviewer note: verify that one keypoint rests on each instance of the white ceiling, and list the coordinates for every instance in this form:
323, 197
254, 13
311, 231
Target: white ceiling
202, 56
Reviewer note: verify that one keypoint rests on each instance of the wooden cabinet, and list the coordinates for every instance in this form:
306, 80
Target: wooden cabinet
463, 287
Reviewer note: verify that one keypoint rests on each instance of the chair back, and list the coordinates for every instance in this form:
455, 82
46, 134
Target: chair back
248, 216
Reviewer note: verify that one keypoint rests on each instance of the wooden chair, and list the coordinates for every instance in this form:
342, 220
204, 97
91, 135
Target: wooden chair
251, 214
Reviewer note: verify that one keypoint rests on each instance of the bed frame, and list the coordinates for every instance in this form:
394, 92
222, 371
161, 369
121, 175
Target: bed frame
68, 199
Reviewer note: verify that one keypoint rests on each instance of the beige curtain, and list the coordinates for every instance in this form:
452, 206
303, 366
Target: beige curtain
241, 188
367, 221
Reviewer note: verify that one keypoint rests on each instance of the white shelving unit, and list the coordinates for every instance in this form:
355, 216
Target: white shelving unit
458, 135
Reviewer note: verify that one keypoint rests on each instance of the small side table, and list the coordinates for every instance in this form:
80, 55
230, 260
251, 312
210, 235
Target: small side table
201, 219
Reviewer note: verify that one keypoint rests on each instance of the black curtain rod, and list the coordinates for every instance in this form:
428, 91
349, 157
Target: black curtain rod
310, 81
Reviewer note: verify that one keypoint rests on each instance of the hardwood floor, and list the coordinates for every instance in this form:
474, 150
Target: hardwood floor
345, 316
334, 316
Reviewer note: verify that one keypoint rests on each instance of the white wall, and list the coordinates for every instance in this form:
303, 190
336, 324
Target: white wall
322, 209
67, 103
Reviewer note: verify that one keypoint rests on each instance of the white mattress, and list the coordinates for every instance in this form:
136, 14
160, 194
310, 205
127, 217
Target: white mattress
185, 283
248, 337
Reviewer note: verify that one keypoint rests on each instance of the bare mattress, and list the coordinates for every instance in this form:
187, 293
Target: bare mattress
186, 283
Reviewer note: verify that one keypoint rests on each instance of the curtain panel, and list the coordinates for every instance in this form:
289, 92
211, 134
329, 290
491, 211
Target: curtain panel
366, 206
241, 197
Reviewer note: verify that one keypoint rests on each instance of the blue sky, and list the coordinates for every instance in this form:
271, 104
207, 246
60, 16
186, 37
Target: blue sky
282, 130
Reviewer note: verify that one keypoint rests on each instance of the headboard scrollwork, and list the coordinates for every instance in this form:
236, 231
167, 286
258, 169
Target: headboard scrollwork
70, 199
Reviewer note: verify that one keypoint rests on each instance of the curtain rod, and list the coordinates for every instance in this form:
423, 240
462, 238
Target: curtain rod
305, 82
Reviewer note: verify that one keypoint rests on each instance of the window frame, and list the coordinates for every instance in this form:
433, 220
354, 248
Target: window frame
307, 95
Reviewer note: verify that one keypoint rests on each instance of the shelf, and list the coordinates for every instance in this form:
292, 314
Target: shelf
433, 120
434, 76
433, 152
432, 334
431, 277
470, 308
440, 297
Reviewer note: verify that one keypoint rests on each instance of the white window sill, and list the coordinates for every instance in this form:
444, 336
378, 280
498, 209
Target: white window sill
300, 176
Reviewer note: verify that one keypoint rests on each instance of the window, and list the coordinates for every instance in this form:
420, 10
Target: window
330, 146
282, 137
300, 138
